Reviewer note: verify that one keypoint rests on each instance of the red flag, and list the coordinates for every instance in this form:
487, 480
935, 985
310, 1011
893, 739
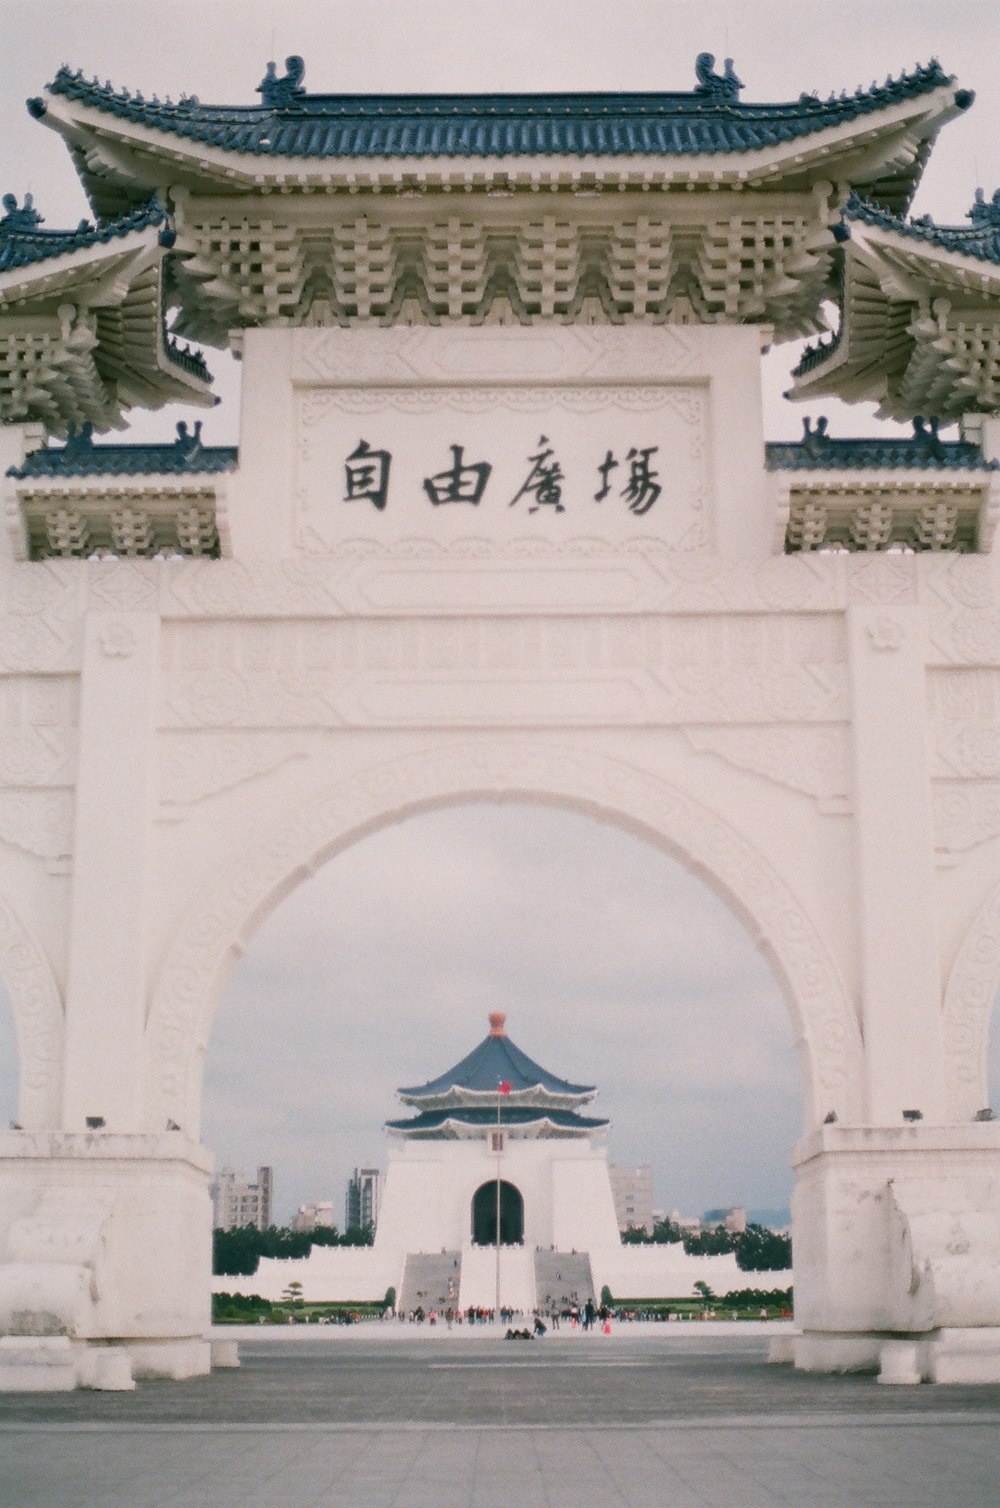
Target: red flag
503, 1087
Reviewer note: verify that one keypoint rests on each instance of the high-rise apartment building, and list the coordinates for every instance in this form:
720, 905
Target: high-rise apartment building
236, 1202
632, 1192
364, 1194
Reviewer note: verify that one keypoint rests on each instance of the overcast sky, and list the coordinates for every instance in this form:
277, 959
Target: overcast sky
615, 966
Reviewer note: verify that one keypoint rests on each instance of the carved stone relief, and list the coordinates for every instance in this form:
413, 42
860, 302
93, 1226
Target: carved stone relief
964, 707
194, 969
958, 580
38, 1018
347, 673
815, 761
38, 733
966, 637
127, 585
881, 579
965, 815
414, 574
195, 767
38, 822
968, 1007
39, 629
494, 355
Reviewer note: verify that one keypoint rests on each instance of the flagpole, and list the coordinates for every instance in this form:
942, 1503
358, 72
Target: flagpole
497, 1309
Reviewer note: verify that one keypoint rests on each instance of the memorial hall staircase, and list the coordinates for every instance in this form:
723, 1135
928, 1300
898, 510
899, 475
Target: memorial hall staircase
431, 1281
563, 1275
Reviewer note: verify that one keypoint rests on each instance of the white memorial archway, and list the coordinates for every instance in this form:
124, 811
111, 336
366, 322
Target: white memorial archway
502, 524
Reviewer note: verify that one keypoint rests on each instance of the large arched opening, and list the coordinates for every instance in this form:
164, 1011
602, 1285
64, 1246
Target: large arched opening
613, 964
497, 1196
223, 920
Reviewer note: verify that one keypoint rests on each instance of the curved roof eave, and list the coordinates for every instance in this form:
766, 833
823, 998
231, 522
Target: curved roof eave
246, 171
438, 1120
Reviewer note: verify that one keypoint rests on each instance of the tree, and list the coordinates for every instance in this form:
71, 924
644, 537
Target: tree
356, 1235
293, 1292
759, 1249
325, 1235
710, 1243
635, 1235
236, 1253
667, 1232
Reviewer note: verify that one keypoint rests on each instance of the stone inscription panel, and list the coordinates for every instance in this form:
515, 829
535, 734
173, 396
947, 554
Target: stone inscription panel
620, 465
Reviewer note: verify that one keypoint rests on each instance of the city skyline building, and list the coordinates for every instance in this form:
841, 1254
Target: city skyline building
632, 1191
236, 1202
316, 1215
363, 1198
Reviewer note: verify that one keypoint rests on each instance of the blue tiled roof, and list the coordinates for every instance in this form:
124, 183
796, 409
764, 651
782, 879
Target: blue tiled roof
290, 122
510, 1115
923, 450
979, 239
496, 1060
22, 242
81, 457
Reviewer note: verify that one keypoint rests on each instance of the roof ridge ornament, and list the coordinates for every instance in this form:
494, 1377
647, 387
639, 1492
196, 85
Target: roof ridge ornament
277, 93
80, 437
983, 213
498, 1024
19, 219
724, 86
188, 442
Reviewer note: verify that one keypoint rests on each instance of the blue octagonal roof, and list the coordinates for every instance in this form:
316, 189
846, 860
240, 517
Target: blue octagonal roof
496, 1061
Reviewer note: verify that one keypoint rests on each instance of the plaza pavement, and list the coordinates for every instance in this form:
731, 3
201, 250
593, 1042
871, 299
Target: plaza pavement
675, 1416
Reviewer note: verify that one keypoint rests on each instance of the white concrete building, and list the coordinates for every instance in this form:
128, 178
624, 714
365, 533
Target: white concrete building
314, 1216
237, 1202
632, 1192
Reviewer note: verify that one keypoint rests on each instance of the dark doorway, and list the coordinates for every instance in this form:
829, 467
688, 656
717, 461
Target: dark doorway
484, 1215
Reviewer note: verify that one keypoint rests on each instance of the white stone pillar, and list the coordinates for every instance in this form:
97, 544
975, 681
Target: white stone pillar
260, 499
106, 992
896, 903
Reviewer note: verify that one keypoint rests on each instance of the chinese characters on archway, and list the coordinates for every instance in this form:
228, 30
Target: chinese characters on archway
631, 478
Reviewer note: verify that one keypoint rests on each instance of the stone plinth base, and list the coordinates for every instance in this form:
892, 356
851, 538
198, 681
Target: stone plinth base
225, 1355
902, 1363
897, 1252
105, 1258
945, 1356
174, 1360
37, 1364
969, 1356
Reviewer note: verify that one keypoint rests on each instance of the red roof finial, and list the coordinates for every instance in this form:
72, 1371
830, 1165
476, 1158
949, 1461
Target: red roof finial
497, 1023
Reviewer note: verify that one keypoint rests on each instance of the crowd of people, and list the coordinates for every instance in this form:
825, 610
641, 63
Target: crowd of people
567, 1311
